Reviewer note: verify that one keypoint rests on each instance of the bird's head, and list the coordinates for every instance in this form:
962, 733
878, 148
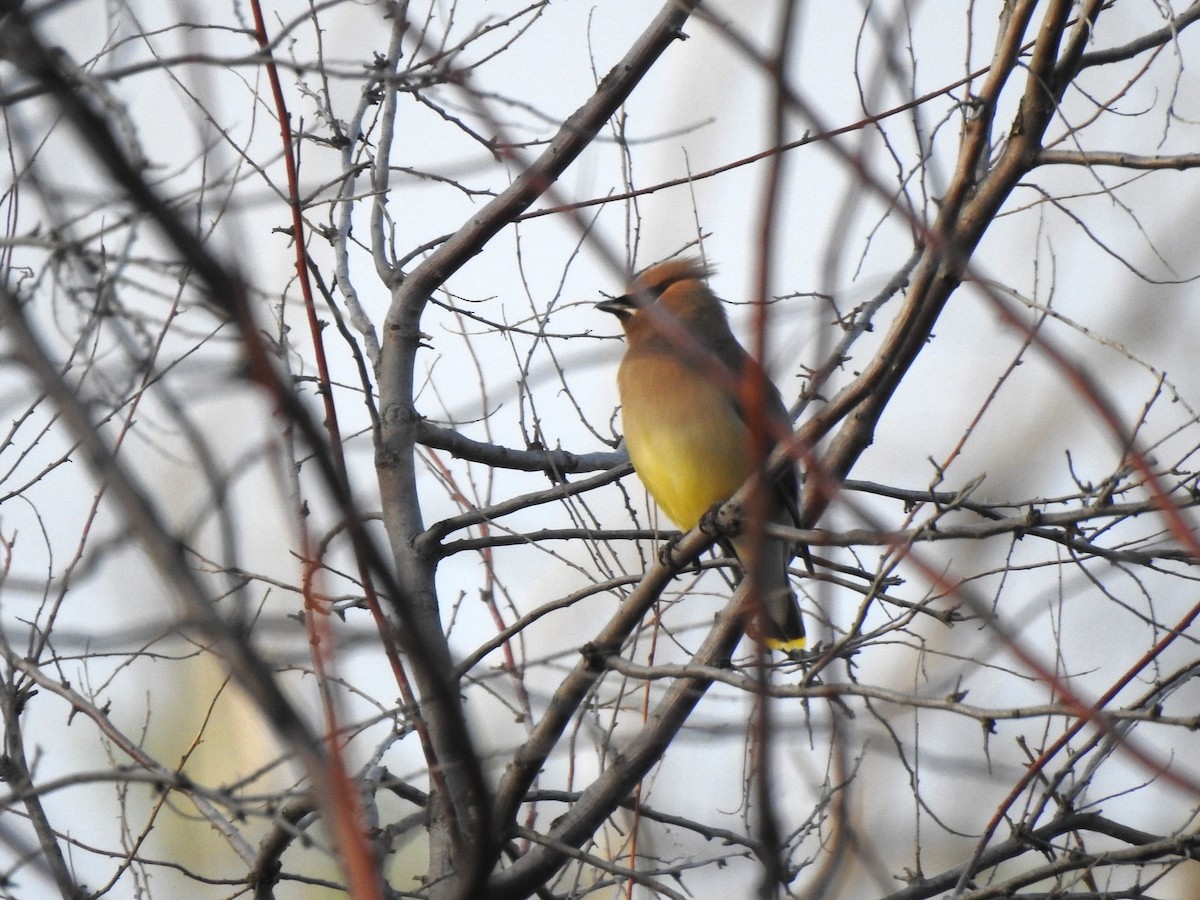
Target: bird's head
674, 291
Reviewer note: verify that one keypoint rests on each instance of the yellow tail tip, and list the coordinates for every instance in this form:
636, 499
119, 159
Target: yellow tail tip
787, 646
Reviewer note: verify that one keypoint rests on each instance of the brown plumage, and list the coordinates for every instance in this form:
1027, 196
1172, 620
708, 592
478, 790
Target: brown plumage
686, 427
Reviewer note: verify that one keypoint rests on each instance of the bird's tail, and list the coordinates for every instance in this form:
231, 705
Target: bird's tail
784, 626
778, 624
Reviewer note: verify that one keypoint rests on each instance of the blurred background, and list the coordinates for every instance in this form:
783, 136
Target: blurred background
1042, 574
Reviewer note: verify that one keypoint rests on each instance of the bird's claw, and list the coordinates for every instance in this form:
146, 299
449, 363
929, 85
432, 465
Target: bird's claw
666, 550
666, 555
723, 520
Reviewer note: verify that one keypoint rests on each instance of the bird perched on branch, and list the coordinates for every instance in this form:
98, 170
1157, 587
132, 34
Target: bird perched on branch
687, 406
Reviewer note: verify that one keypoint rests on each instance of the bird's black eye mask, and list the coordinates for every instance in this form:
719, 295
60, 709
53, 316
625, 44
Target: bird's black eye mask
627, 304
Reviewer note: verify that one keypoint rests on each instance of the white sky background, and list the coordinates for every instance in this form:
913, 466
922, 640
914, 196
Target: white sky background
701, 107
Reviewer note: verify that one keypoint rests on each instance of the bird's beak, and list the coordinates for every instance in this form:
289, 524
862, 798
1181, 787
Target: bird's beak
618, 306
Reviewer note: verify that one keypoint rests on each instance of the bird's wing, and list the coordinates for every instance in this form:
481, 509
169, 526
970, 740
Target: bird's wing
787, 483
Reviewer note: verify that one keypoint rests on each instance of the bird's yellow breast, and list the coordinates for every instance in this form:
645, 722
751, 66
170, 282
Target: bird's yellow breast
688, 445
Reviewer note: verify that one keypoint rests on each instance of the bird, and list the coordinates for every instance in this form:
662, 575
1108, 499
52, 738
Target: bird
686, 427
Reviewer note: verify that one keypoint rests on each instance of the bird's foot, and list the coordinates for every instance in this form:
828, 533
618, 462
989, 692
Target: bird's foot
666, 551
723, 520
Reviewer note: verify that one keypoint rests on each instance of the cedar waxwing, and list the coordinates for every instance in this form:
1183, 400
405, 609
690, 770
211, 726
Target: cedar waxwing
685, 425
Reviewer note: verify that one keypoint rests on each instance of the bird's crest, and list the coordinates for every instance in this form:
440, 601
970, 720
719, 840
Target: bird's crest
660, 276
